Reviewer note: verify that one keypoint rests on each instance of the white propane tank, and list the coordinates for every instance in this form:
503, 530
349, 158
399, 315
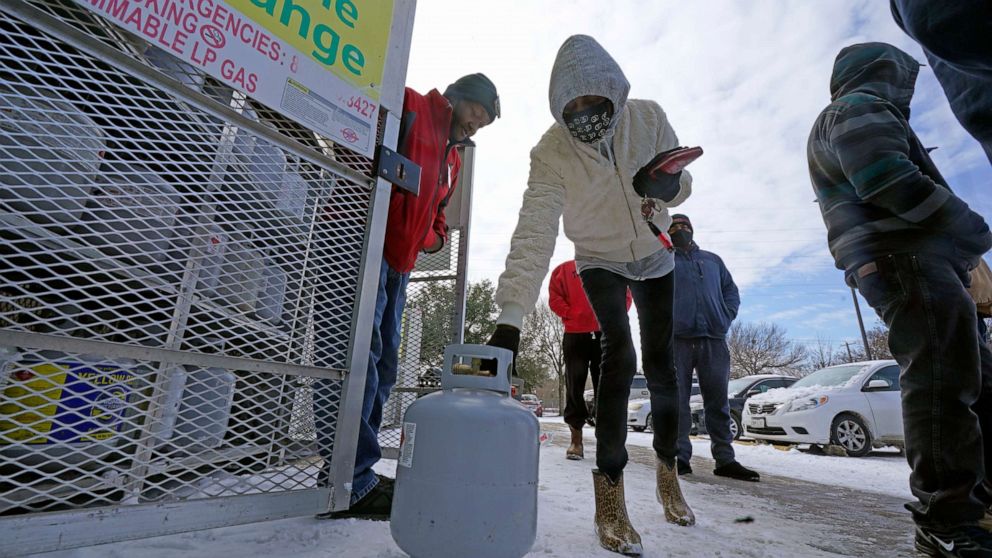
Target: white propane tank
272, 297
214, 247
208, 394
466, 480
241, 272
50, 153
173, 386
131, 213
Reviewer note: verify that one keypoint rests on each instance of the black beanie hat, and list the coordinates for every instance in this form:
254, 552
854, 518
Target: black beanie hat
680, 218
478, 88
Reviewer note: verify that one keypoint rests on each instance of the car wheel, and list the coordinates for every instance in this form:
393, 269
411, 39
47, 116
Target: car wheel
735, 426
638, 428
850, 433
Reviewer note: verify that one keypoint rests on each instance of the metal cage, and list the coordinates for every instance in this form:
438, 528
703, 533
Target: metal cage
434, 316
182, 301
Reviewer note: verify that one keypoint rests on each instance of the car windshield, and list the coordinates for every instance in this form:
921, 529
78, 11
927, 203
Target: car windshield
528, 398
829, 377
738, 385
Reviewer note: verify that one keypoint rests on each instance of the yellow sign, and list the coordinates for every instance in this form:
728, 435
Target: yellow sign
29, 406
348, 37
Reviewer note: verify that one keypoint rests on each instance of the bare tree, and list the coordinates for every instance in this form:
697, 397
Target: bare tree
762, 347
878, 340
540, 356
548, 332
822, 354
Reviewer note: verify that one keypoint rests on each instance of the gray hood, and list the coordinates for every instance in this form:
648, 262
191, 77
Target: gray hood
583, 67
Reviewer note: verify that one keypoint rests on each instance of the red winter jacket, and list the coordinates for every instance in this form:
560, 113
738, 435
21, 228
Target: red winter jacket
568, 300
416, 222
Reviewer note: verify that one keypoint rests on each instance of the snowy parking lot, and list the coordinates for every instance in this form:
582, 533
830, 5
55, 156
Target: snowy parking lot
806, 505
884, 471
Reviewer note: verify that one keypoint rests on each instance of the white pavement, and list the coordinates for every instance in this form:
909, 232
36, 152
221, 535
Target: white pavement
734, 518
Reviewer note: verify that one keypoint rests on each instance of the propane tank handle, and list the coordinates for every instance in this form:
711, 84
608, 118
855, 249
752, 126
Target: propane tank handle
500, 382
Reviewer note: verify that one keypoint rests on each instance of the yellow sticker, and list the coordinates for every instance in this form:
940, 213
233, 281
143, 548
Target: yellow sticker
25, 415
348, 37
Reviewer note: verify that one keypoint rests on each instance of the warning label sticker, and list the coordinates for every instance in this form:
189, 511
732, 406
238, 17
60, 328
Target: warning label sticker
408, 437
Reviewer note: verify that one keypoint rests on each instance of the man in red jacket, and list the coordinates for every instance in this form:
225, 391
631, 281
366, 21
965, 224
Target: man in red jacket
433, 127
580, 346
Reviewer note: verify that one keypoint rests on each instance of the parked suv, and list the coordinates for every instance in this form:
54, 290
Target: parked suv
737, 393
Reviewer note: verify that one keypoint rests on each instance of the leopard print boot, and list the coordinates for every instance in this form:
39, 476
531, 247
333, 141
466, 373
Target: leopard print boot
612, 524
670, 496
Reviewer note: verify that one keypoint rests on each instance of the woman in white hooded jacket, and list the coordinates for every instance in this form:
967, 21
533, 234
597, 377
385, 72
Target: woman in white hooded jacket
582, 170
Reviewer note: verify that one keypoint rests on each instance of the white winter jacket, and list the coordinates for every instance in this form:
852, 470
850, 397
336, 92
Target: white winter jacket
591, 185
602, 212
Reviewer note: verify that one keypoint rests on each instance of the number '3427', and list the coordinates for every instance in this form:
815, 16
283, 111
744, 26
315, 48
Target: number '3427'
361, 106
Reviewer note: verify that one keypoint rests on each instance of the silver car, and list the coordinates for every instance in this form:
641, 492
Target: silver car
639, 410
638, 390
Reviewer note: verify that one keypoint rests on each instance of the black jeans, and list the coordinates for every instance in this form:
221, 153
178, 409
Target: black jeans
951, 36
607, 293
946, 380
582, 358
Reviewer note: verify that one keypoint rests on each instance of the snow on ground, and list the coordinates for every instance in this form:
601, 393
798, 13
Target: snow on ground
884, 471
565, 516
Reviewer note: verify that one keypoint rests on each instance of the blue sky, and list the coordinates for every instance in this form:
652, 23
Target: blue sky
745, 79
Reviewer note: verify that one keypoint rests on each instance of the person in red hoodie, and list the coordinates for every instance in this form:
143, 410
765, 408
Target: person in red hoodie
432, 129
580, 345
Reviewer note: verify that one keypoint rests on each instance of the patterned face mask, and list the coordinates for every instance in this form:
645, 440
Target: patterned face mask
591, 124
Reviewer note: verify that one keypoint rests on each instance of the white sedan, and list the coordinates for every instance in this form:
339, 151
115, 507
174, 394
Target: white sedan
856, 406
639, 410
638, 390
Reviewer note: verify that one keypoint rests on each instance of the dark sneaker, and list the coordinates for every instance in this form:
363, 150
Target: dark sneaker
374, 506
684, 467
735, 470
387, 483
323, 480
967, 541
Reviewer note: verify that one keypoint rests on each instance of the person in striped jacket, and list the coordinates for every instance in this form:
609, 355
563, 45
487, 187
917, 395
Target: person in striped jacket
907, 243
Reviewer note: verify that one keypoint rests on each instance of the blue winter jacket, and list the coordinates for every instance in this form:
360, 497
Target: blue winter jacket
706, 298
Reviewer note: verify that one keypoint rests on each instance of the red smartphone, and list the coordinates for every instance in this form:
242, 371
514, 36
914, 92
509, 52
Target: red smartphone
674, 160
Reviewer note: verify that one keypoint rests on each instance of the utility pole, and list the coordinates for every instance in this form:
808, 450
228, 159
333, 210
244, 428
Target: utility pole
847, 345
861, 324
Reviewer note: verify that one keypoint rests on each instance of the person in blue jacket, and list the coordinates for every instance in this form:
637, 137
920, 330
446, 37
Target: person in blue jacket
706, 302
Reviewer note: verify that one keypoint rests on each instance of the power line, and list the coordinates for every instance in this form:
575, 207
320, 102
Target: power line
702, 231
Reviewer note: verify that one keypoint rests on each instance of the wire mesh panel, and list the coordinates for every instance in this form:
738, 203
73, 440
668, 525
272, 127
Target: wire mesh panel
434, 314
72, 425
177, 290
429, 324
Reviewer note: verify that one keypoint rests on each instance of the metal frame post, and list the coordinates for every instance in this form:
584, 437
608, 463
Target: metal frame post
464, 220
118, 507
